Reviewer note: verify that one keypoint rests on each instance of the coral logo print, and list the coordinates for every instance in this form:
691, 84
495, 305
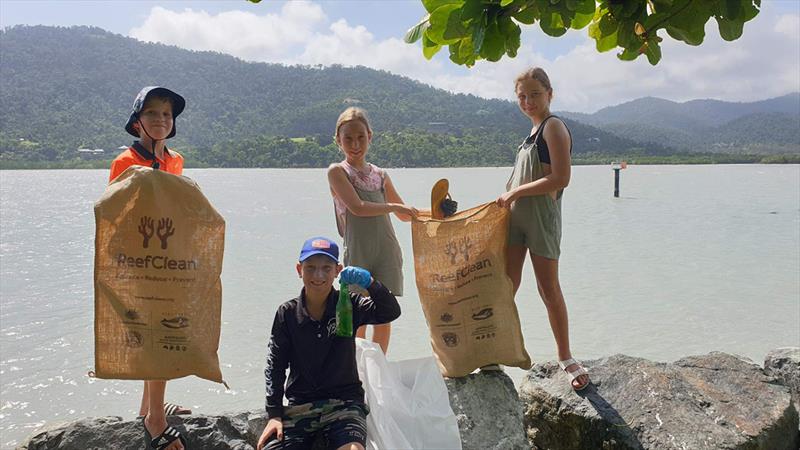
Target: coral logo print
461, 246
163, 231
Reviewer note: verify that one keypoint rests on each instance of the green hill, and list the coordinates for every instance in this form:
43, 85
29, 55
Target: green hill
64, 89
768, 127
69, 88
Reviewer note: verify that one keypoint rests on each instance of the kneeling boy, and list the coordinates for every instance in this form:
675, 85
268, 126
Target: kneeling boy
324, 393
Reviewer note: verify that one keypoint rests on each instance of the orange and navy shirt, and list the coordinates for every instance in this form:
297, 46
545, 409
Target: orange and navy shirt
137, 155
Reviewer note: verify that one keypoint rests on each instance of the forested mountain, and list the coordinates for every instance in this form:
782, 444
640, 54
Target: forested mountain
767, 126
62, 89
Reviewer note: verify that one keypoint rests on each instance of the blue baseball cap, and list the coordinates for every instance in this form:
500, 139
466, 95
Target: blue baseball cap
319, 246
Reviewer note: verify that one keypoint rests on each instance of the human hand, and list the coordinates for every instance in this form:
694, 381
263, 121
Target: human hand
406, 210
274, 426
505, 200
355, 275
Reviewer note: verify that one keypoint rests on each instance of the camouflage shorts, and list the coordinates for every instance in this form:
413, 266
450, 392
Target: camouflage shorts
336, 421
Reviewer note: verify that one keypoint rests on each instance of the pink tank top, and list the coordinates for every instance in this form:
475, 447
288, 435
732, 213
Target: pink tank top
370, 179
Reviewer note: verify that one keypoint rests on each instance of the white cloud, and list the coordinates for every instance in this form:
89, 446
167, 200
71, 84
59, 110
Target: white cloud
764, 62
271, 37
356, 46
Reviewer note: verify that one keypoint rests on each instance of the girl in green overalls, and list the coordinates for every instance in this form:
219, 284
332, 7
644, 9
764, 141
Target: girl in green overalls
363, 197
541, 172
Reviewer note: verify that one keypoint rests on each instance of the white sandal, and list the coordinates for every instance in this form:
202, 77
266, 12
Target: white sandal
573, 375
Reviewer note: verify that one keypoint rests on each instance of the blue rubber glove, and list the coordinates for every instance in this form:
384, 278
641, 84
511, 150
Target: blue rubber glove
355, 275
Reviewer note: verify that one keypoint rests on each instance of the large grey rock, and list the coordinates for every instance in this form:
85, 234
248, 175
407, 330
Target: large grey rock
701, 402
488, 411
201, 432
783, 364
238, 431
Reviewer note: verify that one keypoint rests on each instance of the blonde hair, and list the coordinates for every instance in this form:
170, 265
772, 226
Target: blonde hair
352, 114
535, 73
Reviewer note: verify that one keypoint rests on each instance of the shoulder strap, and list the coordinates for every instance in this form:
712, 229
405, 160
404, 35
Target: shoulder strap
541, 127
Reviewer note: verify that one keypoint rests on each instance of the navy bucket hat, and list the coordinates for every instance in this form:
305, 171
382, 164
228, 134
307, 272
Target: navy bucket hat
178, 103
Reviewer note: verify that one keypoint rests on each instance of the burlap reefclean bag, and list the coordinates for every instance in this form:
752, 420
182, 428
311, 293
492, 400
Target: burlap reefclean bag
157, 289
467, 298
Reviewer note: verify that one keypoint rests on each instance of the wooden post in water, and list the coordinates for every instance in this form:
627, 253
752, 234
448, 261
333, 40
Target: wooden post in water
616, 167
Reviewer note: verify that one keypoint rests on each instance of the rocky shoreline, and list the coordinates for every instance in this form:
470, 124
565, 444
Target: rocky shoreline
713, 401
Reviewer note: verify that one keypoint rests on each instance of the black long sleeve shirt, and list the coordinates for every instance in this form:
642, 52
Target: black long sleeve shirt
321, 365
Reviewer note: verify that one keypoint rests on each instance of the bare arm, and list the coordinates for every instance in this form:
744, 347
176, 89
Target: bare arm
392, 196
558, 142
342, 189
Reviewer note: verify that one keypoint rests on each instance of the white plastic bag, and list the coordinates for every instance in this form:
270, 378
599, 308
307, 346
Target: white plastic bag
408, 402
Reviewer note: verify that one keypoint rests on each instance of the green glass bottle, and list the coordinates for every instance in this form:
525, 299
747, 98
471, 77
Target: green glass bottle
344, 313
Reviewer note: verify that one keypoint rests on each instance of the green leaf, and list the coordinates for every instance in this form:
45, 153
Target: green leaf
440, 18
688, 21
603, 42
433, 5
460, 57
626, 35
730, 30
527, 16
414, 33
608, 24
429, 48
581, 20
632, 8
455, 29
494, 43
505, 3
472, 10
628, 54
694, 37
552, 24
512, 33
732, 9
466, 49
750, 10
653, 52
478, 33
586, 7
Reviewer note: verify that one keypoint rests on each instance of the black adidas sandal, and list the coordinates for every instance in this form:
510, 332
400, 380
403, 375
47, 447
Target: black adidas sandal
171, 409
166, 438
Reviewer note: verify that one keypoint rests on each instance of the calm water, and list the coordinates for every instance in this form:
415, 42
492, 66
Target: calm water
691, 259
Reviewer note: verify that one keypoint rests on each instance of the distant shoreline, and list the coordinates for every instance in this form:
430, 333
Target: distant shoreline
598, 160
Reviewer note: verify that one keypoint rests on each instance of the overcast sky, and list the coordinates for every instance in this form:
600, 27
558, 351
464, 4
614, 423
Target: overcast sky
764, 63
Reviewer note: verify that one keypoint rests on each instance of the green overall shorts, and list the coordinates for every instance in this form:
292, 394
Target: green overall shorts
535, 220
369, 242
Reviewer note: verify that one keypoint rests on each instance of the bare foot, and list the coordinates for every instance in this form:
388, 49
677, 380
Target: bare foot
155, 427
581, 381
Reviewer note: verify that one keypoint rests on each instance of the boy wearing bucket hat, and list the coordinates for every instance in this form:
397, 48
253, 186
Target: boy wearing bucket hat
152, 120
324, 393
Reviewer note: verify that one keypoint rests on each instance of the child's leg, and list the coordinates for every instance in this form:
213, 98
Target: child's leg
346, 427
361, 332
381, 334
515, 259
351, 446
546, 271
156, 419
143, 406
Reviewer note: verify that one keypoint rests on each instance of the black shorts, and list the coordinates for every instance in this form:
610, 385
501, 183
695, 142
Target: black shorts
335, 421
